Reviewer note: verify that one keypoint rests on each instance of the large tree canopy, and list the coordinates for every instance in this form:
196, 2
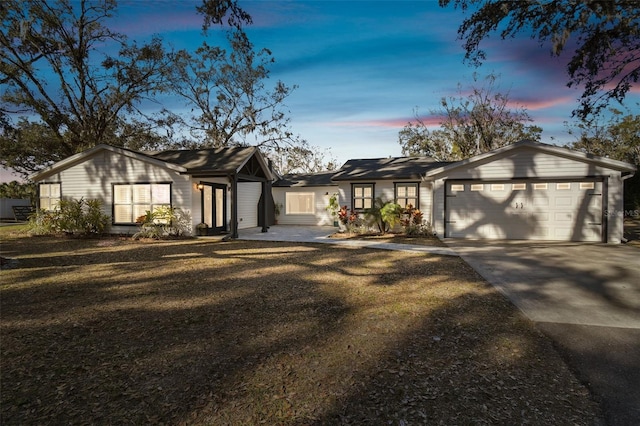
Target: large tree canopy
74, 82
605, 33
225, 90
469, 125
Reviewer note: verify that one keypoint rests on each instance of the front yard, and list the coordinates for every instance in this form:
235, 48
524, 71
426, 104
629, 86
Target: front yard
199, 332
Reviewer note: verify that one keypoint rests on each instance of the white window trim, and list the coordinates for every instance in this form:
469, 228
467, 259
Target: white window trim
477, 187
540, 186
518, 186
52, 202
288, 205
457, 187
587, 185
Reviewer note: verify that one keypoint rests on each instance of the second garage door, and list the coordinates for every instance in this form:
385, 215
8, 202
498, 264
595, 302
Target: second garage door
529, 210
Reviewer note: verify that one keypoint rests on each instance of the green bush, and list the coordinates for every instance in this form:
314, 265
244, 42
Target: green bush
74, 217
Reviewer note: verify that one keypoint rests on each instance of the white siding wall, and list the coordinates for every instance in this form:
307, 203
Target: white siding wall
321, 216
248, 198
93, 179
530, 163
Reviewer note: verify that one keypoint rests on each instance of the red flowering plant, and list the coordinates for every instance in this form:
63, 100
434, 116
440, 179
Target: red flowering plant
412, 221
348, 218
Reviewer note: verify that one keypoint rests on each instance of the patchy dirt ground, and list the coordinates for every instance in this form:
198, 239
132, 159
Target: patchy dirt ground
195, 332
632, 231
391, 238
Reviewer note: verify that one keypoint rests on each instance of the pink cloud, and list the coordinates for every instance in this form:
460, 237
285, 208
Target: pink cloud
538, 104
391, 123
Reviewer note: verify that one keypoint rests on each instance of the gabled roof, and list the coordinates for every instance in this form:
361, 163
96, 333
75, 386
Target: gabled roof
222, 161
386, 168
218, 161
542, 147
82, 156
309, 179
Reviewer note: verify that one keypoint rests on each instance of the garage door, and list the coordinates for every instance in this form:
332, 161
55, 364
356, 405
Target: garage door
528, 210
248, 199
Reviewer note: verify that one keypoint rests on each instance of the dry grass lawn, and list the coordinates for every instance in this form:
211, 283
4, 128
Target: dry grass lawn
113, 331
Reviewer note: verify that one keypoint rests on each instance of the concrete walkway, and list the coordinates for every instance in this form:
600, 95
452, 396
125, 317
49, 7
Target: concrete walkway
320, 234
586, 297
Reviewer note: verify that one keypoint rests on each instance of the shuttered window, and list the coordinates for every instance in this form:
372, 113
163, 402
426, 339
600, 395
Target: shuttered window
300, 202
131, 201
49, 195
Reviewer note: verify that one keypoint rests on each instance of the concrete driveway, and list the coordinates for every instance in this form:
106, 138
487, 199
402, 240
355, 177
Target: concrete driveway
586, 297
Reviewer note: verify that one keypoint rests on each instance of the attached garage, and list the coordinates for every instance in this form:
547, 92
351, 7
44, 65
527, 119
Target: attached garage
530, 191
524, 209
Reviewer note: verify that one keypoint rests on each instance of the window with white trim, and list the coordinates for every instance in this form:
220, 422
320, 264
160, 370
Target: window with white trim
497, 187
540, 186
49, 195
563, 186
130, 201
362, 196
407, 193
457, 187
477, 187
299, 202
519, 186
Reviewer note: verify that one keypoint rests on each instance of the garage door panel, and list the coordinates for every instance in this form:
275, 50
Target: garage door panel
552, 211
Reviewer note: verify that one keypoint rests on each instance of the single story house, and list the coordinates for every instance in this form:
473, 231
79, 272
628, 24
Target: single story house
527, 190
225, 188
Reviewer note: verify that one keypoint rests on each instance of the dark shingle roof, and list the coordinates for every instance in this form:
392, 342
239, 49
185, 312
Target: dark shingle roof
221, 160
311, 179
386, 168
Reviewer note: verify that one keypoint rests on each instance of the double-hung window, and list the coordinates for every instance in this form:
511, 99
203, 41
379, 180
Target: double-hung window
130, 201
407, 193
362, 196
49, 195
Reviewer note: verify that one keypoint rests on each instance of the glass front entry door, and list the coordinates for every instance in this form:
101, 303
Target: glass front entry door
214, 207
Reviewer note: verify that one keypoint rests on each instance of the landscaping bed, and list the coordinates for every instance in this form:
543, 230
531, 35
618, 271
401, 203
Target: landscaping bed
198, 332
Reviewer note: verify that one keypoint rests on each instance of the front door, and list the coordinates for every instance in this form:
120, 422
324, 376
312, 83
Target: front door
214, 207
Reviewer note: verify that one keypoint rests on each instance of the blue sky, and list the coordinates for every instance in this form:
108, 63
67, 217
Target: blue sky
363, 67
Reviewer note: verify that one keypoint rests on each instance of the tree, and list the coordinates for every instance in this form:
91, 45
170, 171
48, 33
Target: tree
226, 90
302, 158
478, 122
70, 77
618, 139
606, 35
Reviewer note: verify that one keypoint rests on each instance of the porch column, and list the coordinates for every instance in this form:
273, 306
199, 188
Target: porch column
265, 203
234, 206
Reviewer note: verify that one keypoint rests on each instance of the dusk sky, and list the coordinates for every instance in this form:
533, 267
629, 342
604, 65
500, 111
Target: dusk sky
363, 67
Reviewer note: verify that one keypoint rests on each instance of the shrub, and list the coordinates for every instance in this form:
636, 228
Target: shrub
163, 222
413, 223
74, 217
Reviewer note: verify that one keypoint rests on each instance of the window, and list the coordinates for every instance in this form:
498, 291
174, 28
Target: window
519, 186
457, 188
407, 193
539, 186
587, 185
300, 203
497, 187
49, 195
563, 186
132, 201
477, 187
362, 196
